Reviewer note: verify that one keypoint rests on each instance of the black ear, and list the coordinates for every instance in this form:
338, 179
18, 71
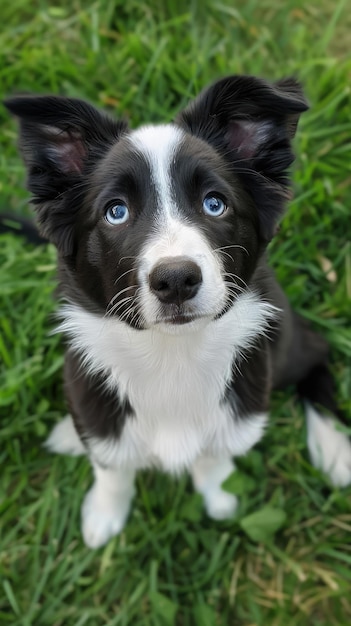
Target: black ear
60, 139
251, 122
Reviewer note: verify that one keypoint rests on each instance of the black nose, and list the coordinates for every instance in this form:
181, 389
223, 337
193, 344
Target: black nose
174, 280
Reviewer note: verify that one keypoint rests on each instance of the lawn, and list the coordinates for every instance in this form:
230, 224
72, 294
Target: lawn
172, 565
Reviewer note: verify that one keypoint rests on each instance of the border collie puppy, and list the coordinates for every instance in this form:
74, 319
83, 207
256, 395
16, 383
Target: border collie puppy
177, 330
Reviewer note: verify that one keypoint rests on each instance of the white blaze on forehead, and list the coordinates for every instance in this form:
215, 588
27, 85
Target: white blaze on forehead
173, 235
159, 145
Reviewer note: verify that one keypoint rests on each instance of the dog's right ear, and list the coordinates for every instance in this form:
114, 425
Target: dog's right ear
60, 138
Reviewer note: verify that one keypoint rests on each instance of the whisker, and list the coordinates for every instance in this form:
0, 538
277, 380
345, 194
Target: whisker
129, 309
126, 257
117, 306
234, 245
122, 303
136, 316
132, 269
226, 254
120, 293
236, 277
125, 314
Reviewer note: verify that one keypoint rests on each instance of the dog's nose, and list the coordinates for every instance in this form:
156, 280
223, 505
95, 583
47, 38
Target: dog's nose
174, 280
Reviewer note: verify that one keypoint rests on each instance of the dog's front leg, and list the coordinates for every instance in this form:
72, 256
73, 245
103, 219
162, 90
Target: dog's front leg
208, 474
98, 417
106, 506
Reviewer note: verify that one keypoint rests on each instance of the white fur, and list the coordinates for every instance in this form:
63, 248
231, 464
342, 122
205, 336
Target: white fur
208, 475
106, 506
330, 449
174, 440
159, 145
172, 235
175, 384
64, 439
174, 238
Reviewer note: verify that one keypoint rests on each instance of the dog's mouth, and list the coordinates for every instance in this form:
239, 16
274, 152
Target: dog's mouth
175, 315
178, 319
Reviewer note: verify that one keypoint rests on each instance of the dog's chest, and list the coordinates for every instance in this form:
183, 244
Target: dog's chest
176, 389
172, 376
179, 411
175, 384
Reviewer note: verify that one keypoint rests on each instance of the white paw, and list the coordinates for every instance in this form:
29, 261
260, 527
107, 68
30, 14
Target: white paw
64, 439
340, 472
330, 449
221, 505
103, 518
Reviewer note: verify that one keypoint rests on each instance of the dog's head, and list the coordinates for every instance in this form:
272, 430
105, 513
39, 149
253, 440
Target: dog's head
162, 226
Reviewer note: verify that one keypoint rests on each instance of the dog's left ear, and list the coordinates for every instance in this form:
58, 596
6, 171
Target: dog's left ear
251, 122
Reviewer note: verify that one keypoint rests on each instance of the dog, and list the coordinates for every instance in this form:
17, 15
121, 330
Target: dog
177, 331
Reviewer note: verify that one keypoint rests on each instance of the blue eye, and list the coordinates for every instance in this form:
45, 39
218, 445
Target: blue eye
214, 206
117, 214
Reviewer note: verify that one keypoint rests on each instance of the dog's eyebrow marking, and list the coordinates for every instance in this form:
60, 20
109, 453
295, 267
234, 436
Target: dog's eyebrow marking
159, 144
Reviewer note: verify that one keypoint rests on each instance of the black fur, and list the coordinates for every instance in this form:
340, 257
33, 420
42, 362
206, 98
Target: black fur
61, 139
87, 397
251, 123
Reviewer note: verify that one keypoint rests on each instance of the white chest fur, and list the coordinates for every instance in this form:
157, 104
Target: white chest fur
174, 382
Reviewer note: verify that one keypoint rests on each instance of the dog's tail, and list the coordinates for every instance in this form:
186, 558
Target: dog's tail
21, 226
327, 439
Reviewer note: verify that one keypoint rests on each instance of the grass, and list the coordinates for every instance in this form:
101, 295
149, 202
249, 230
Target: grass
172, 565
